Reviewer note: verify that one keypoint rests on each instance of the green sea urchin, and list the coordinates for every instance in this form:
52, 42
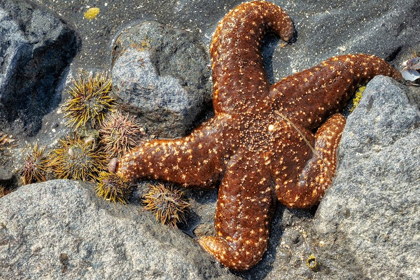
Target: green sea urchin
167, 203
77, 159
35, 167
90, 100
120, 133
113, 187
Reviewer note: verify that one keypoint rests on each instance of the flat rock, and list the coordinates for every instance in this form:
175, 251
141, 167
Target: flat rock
367, 225
61, 230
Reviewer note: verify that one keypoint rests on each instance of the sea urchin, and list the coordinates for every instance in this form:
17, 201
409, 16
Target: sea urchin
120, 133
35, 167
90, 100
77, 159
167, 203
113, 187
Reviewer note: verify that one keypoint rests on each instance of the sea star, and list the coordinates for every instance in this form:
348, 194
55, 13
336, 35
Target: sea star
260, 145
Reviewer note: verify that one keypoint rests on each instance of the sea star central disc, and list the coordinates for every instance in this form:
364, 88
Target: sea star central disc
260, 144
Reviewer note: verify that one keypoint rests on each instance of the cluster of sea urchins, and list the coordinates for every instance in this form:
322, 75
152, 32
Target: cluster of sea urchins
91, 106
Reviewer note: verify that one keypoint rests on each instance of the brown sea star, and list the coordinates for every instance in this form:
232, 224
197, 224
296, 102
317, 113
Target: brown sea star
260, 144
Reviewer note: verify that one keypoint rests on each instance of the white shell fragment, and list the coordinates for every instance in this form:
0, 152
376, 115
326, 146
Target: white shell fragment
410, 72
410, 75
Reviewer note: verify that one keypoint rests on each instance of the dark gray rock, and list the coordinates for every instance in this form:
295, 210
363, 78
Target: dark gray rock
35, 49
61, 230
160, 74
367, 225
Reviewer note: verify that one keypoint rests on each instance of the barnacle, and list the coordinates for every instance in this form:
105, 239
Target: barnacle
89, 102
113, 187
167, 203
77, 159
312, 263
120, 133
35, 167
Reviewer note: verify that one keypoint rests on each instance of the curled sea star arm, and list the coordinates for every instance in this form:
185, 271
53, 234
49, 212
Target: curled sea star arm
245, 205
195, 160
305, 189
238, 71
324, 89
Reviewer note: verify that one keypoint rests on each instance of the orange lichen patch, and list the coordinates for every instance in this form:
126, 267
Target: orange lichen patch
260, 145
91, 13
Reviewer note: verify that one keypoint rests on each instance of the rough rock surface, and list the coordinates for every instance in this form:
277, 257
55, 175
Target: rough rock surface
35, 49
368, 222
159, 74
61, 230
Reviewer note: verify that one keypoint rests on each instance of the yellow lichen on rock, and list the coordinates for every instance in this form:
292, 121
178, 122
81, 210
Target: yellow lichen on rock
358, 95
91, 13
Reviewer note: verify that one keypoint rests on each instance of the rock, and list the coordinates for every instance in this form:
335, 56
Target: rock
61, 230
160, 74
35, 49
367, 224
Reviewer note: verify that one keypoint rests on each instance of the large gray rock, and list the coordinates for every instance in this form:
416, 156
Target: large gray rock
368, 223
35, 49
159, 73
61, 230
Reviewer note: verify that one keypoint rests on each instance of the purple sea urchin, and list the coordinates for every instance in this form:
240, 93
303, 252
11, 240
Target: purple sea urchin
120, 133
167, 203
35, 167
77, 159
90, 100
113, 187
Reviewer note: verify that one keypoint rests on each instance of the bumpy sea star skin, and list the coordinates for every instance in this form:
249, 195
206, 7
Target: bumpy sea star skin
259, 144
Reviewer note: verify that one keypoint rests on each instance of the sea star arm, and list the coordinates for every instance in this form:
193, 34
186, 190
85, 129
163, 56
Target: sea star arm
326, 88
244, 209
239, 77
305, 189
195, 160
